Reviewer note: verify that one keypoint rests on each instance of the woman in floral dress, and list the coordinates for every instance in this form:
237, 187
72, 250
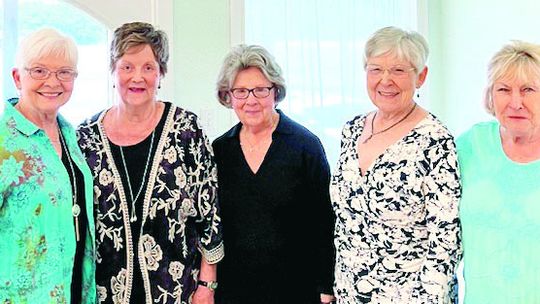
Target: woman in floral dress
396, 188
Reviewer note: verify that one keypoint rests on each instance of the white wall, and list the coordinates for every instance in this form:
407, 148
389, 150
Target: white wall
202, 38
113, 13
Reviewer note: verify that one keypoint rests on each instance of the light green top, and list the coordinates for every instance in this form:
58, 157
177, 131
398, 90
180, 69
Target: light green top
37, 234
500, 217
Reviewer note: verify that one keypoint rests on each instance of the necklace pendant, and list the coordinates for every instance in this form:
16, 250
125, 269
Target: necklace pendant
76, 210
133, 216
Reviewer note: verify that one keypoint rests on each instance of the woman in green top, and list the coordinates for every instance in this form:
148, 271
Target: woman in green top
500, 170
46, 218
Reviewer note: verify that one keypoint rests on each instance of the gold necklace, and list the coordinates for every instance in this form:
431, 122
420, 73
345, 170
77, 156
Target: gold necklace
254, 147
386, 129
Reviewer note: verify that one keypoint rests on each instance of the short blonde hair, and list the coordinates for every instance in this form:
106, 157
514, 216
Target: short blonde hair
409, 46
46, 42
518, 59
242, 57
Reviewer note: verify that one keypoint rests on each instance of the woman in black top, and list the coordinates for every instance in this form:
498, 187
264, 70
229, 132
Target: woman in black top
155, 184
273, 190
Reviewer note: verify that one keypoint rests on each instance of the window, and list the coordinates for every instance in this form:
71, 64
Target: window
91, 92
319, 45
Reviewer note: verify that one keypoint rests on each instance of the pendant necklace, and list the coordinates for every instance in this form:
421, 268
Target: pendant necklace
386, 129
75, 209
133, 216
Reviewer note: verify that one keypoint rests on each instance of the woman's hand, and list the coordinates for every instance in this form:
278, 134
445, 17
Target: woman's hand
325, 298
203, 295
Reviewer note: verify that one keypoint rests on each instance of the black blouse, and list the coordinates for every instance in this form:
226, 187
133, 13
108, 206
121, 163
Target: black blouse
277, 223
136, 157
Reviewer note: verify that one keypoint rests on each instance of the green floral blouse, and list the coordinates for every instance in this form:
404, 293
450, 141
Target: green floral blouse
37, 246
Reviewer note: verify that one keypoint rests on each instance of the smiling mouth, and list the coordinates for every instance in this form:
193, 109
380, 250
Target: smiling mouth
137, 90
47, 94
387, 94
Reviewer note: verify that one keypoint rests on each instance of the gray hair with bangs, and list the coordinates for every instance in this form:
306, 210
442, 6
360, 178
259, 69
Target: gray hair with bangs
406, 45
43, 43
242, 57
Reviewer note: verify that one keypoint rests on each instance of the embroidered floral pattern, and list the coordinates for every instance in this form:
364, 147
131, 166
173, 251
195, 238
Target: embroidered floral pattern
152, 252
180, 216
118, 287
176, 270
180, 177
397, 228
170, 155
101, 293
105, 177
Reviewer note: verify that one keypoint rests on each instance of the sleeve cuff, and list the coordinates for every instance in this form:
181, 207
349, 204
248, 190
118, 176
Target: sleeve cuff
214, 255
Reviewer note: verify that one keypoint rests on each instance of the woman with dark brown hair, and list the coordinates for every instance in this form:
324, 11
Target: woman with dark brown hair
155, 183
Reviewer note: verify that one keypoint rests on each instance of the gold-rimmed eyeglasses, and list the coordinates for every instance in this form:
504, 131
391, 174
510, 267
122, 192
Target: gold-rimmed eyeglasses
398, 71
39, 73
243, 93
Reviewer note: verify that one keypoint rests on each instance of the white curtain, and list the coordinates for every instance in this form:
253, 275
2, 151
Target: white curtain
319, 45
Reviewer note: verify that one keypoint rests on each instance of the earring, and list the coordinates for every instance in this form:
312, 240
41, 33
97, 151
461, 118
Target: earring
113, 86
159, 86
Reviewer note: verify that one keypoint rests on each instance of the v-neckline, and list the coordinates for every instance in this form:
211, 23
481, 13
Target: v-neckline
364, 174
263, 162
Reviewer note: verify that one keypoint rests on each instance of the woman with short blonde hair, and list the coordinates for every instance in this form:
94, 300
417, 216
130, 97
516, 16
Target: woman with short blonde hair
500, 169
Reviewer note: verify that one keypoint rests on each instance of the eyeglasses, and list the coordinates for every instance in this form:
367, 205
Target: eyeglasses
397, 71
259, 92
39, 73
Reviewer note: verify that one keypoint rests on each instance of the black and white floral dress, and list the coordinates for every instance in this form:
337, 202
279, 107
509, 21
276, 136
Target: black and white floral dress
397, 226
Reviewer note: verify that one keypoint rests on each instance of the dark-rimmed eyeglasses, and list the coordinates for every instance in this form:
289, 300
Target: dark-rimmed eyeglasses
259, 92
39, 73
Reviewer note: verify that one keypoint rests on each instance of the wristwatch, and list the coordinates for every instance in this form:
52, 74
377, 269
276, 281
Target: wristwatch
212, 285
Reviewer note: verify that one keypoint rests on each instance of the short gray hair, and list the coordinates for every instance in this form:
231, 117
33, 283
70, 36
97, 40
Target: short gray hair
46, 42
137, 34
517, 59
406, 45
242, 57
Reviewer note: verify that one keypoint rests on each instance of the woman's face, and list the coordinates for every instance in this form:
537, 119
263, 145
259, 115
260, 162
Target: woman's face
137, 76
44, 96
391, 82
253, 111
516, 104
